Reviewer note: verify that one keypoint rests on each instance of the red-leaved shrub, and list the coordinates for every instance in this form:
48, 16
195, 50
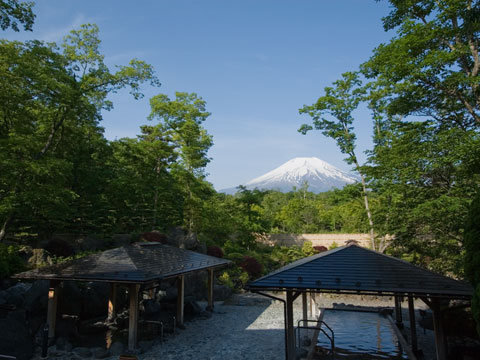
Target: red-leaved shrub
154, 237
319, 248
251, 266
215, 251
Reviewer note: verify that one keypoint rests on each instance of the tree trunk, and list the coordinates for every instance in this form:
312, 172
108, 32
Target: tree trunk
3, 230
367, 208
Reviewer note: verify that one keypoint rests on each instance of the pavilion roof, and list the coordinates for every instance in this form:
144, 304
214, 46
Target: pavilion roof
137, 263
354, 269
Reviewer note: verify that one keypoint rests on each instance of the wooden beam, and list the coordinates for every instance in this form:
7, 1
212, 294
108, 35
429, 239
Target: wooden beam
304, 308
52, 308
440, 339
211, 284
112, 302
134, 290
413, 325
180, 299
398, 312
290, 327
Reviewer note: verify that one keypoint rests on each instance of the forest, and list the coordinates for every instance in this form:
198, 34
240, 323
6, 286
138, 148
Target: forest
419, 184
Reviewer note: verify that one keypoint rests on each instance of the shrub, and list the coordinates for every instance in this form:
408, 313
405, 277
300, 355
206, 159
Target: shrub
215, 251
251, 266
334, 245
320, 248
307, 248
10, 262
235, 257
59, 247
153, 236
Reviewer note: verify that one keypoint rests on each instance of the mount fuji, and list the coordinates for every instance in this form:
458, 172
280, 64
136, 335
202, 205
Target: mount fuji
320, 176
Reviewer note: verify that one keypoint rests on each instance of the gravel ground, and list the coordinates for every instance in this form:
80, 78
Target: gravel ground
251, 326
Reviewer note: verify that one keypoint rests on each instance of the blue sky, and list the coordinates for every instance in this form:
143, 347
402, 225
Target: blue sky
255, 62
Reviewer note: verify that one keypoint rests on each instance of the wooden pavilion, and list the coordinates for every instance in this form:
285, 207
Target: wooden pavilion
356, 270
139, 266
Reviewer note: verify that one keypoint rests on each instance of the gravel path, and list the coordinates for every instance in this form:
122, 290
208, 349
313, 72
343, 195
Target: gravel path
251, 326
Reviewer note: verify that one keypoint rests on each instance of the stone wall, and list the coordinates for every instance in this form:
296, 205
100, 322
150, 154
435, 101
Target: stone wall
317, 239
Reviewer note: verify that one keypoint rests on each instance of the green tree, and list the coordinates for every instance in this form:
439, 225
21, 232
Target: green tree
471, 241
332, 114
51, 103
12, 11
431, 67
182, 119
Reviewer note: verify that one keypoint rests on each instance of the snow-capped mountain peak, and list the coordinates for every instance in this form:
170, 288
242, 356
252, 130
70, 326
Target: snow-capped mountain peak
320, 176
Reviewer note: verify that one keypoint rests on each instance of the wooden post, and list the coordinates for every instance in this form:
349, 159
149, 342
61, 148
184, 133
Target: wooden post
134, 290
210, 290
304, 308
413, 325
52, 308
180, 299
440, 343
398, 312
290, 328
312, 305
112, 302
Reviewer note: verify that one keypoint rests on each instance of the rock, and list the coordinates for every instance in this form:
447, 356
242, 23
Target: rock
63, 344
70, 299
119, 240
25, 252
145, 345
94, 300
89, 243
15, 337
221, 292
39, 258
36, 298
195, 284
82, 352
116, 349
191, 308
100, 353
179, 238
16, 294
149, 307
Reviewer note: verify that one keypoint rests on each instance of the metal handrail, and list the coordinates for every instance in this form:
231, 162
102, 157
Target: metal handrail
331, 338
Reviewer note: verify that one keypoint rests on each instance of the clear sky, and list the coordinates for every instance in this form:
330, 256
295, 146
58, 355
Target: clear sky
255, 62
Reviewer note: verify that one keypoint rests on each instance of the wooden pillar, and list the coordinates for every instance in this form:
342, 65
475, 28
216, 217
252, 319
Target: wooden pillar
312, 314
180, 299
440, 343
398, 312
210, 290
290, 338
52, 307
413, 325
304, 308
112, 302
134, 290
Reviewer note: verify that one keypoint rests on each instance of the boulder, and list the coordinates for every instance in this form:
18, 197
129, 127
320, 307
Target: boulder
94, 300
116, 349
100, 353
70, 299
119, 240
180, 238
149, 307
221, 292
82, 352
89, 243
39, 258
15, 295
36, 298
15, 337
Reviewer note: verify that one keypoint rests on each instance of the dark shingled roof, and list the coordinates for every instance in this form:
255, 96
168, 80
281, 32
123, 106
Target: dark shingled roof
354, 269
137, 263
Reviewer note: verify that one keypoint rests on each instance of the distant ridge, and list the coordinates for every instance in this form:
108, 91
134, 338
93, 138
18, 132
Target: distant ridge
320, 176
